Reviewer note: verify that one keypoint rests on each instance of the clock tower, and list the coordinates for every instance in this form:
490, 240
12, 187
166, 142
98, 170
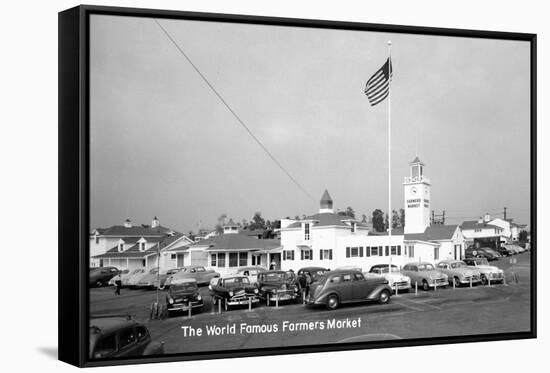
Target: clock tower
417, 198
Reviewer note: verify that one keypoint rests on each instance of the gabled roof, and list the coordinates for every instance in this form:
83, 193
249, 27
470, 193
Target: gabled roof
139, 230
237, 242
134, 252
327, 219
436, 232
473, 224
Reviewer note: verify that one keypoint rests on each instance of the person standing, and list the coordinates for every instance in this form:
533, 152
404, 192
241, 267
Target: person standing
118, 283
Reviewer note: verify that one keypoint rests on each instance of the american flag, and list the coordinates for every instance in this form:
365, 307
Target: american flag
378, 86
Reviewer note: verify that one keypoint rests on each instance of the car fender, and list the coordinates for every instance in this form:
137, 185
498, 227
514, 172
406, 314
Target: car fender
154, 348
324, 296
375, 294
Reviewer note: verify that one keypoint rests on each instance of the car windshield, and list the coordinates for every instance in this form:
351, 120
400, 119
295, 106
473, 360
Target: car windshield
458, 265
482, 261
425, 267
236, 281
183, 287
318, 273
386, 269
276, 276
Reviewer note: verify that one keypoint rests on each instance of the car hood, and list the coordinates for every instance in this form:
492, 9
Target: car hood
396, 277
489, 268
238, 289
465, 271
182, 293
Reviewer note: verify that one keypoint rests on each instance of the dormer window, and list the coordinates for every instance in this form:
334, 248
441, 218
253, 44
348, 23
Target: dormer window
120, 247
142, 244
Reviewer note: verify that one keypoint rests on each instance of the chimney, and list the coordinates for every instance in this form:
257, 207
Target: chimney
155, 223
128, 223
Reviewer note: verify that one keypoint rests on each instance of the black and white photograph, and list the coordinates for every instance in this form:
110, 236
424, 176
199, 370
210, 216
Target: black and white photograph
256, 186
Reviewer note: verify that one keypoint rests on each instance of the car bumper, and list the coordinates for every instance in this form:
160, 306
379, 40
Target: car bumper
242, 301
400, 286
184, 306
438, 282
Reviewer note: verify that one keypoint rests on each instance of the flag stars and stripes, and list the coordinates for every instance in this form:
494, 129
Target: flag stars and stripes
378, 86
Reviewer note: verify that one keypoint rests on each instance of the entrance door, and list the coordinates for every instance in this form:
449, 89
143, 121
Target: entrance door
457, 252
179, 260
275, 261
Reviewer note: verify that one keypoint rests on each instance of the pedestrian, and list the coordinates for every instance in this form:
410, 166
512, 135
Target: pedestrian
272, 265
118, 283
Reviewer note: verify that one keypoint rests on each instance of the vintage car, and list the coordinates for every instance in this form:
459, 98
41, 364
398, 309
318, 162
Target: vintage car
347, 286
114, 337
251, 273
182, 294
486, 270
424, 274
278, 285
396, 279
134, 279
101, 276
481, 252
161, 281
152, 279
311, 273
123, 274
199, 273
233, 290
505, 251
458, 272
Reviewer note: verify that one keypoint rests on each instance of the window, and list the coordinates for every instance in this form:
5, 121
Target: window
374, 250
288, 254
307, 254
346, 278
380, 251
243, 259
358, 276
221, 260
172, 256
213, 260
411, 251
367, 250
354, 252
477, 230
141, 332
127, 337
348, 252
387, 251
336, 279
142, 246
96, 239
436, 253
306, 231
398, 249
325, 254
361, 251
233, 259
393, 250
143, 262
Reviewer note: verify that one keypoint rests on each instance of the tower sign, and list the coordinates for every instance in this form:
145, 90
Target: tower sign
417, 198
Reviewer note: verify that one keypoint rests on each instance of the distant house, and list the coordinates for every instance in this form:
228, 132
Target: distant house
233, 249
483, 228
510, 229
132, 246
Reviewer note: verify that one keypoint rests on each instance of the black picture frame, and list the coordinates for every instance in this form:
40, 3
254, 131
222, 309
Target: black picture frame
74, 33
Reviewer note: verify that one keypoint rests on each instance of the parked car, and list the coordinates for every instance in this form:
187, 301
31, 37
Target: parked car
251, 272
519, 248
101, 276
395, 278
505, 251
161, 281
123, 273
233, 290
458, 272
199, 273
113, 337
482, 252
182, 294
152, 279
134, 279
345, 286
279, 285
486, 270
425, 275
308, 275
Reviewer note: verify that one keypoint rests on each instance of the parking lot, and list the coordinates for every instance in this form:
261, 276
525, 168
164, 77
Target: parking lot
445, 312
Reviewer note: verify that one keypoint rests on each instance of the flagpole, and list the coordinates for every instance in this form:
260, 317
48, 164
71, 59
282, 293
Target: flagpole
390, 214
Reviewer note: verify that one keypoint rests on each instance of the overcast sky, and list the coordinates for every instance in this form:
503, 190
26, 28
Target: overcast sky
163, 144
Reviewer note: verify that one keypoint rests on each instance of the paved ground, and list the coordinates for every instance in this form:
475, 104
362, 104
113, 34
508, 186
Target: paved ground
446, 312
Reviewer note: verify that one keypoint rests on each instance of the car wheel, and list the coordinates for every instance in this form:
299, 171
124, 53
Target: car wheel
425, 285
457, 282
384, 297
332, 302
483, 280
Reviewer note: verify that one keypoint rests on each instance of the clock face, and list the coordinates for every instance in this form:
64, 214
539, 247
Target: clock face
426, 190
413, 191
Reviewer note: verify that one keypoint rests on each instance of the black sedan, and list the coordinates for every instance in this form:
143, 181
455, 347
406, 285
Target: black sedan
278, 285
233, 290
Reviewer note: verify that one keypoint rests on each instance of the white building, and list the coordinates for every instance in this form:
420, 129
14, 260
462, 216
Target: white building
330, 240
128, 246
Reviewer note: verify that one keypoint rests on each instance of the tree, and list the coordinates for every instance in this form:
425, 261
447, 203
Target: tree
394, 219
402, 217
378, 220
191, 235
364, 218
221, 223
350, 212
522, 237
257, 221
